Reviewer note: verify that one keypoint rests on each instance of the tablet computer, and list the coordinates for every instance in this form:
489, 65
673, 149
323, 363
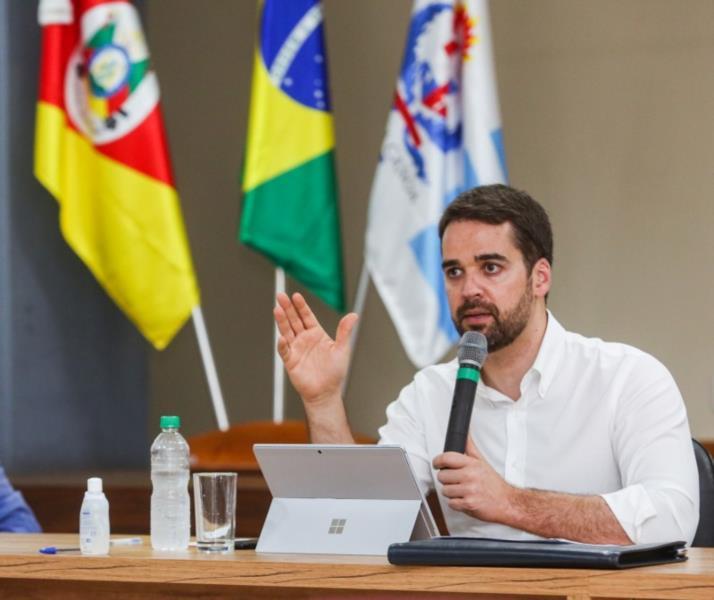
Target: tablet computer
348, 499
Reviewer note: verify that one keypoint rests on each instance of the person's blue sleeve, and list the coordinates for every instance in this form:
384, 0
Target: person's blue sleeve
15, 515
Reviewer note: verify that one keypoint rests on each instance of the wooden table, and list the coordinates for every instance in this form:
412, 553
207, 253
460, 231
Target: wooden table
138, 572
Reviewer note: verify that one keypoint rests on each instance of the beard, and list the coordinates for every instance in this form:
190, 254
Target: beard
504, 328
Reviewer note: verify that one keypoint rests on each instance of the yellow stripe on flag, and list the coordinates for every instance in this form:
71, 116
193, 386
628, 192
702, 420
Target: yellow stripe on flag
126, 227
282, 133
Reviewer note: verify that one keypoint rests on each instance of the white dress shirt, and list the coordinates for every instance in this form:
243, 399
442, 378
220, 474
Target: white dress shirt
594, 418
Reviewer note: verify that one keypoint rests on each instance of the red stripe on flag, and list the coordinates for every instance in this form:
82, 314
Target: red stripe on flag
58, 42
144, 149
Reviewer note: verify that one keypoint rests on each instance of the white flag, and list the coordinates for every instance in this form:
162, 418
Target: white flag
443, 137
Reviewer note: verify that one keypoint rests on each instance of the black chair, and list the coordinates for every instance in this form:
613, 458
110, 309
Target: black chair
704, 537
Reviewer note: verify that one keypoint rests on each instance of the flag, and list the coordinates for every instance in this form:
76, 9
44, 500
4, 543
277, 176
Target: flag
290, 211
443, 136
101, 151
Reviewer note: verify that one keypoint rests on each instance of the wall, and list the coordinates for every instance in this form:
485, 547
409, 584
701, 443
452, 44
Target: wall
608, 122
73, 370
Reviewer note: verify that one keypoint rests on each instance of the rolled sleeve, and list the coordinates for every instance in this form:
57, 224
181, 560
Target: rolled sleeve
655, 515
659, 500
632, 508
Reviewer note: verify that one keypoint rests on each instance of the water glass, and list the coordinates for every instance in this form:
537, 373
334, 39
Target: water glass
214, 497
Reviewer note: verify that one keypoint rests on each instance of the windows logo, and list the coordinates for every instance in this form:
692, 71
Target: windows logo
337, 526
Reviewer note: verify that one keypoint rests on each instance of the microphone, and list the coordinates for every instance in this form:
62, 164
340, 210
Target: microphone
472, 351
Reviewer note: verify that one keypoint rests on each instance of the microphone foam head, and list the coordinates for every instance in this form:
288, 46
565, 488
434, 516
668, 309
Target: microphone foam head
473, 348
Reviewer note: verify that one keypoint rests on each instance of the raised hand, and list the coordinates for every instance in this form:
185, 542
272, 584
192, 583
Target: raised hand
316, 364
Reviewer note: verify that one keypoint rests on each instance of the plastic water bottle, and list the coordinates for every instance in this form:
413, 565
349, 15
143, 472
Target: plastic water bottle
94, 519
170, 506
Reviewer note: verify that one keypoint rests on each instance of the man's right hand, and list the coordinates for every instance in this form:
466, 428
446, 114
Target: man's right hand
316, 364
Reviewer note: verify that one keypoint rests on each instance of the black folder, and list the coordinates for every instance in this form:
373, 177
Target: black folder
485, 552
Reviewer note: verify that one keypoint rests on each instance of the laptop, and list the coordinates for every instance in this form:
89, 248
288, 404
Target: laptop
334, 499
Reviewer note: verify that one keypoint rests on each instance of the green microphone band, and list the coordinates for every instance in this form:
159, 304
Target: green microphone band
468, 373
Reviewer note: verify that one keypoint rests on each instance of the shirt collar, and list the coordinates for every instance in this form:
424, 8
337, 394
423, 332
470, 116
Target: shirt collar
551, 349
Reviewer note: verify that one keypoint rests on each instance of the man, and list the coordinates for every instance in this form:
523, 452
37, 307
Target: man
15, 515
571, 437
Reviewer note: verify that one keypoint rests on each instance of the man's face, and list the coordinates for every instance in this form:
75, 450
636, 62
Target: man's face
487, 283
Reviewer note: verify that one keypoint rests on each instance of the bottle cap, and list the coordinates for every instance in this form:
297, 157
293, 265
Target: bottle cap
94, 485
170, 422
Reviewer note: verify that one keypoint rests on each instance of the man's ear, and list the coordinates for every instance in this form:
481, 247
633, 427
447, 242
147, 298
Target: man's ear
541, 278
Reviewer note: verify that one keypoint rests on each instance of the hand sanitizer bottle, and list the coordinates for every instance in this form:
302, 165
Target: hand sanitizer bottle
94, 520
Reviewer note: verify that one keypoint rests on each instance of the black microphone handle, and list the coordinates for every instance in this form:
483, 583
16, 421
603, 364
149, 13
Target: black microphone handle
460, 417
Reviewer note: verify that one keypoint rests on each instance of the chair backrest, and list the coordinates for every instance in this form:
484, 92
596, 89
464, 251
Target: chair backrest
705, 530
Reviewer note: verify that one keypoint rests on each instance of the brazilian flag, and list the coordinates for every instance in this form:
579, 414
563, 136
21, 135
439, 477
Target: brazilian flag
290, 211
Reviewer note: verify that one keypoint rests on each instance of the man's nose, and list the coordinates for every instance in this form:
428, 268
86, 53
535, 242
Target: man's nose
473, 285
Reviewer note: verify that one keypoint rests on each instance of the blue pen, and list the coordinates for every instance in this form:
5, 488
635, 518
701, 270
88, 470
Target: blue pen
55, 550
116, 542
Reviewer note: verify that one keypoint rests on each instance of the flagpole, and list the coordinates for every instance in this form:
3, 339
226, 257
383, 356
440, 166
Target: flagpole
209, 367
357, 307
278, 371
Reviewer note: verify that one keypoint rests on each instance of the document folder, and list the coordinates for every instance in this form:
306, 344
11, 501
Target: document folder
483, 552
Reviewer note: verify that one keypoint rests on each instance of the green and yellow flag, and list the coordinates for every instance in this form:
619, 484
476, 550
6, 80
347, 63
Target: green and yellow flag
290, 210
101, 151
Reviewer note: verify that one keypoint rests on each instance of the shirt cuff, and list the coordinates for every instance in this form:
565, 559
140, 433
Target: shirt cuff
631, 506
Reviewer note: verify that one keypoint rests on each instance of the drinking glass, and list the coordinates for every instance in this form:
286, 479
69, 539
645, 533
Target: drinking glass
214, 497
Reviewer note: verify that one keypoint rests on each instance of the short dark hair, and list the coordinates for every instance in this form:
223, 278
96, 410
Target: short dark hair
496, 204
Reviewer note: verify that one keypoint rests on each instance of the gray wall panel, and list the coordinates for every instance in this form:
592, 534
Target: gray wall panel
5, 295
75, 396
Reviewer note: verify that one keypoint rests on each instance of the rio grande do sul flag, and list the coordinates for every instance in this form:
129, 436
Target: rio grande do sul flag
290, 211
443, 137
101, 151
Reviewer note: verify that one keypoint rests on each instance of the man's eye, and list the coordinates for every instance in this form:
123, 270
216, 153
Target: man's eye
492, 268
453, 272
